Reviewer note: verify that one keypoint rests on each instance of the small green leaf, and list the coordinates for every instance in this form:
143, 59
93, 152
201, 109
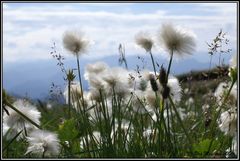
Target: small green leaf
202, 147
67, 131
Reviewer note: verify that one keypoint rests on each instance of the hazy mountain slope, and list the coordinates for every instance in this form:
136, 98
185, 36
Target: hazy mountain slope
35, 78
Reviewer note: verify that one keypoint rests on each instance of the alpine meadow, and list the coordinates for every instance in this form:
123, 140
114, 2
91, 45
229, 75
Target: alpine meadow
126, 110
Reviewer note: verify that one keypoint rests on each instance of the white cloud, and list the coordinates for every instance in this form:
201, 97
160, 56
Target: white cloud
33, 29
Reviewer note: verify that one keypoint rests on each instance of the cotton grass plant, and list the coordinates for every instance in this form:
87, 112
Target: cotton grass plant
177, 42
76, 44
146, 42
15, 120
43, 143
130, 114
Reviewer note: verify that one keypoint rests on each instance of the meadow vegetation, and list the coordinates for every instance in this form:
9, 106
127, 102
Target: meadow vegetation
130, 113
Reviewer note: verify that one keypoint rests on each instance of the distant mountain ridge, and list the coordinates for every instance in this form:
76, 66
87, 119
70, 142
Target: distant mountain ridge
35, 78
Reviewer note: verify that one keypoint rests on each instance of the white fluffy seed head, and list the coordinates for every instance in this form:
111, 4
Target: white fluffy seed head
228, 122
189, 102
175, 88
177, 40
233, 61
95, 69
140, 84
151, 98
144, 40
5, 129
205, 107
75, 42
116, 78
138, 102
221, 91
41, 141
15, 121
94, 94
96, 81
235, 145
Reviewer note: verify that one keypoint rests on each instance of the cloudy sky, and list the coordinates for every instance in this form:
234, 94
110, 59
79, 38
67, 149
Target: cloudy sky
29, 29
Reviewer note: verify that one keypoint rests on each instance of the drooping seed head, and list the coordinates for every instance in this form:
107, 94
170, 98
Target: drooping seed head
176, 40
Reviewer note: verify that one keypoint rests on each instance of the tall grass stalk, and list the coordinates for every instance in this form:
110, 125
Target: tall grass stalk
10, 142
80, 80
181, 123
169, 65
173, 133
69, 99
153, 63
82, 117
216, 116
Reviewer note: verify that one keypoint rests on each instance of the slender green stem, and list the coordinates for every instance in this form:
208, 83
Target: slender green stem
10, 142
217, 115
228, 93
80, 80
25, 130
43, 154
5, 110
180, 121
20, 113
168, 120
160, 133
161, 111
168, 128
139, 100
169, 65
69, 98
162, 121
173, 133
154, 67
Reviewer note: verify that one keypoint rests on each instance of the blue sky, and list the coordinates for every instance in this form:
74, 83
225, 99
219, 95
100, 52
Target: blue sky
29, 29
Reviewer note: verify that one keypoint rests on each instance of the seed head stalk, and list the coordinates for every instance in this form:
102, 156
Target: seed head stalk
169, 65
69, 98
154, 67
80, 80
